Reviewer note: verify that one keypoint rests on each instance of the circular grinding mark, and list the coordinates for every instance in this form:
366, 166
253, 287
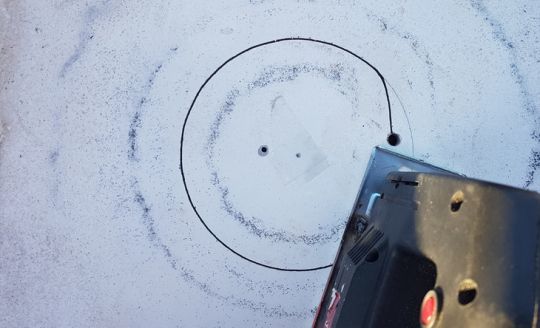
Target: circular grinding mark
314, 122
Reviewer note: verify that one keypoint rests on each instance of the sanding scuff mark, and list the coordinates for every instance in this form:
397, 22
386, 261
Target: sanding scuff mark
92, 13
149, 223
136, 123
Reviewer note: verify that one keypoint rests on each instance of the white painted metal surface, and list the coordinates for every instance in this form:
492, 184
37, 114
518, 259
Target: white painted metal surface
96, 228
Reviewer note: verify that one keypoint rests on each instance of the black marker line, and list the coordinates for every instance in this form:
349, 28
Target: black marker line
381, 77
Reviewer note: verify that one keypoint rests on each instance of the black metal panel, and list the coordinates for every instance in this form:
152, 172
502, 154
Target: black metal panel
475, 243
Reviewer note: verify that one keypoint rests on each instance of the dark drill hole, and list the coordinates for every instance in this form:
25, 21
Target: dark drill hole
373, 256
298, 155
263, 150
456, 201
467, 291
393, 139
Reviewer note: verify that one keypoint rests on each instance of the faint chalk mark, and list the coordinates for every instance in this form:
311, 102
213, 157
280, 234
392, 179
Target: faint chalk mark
405, 113
416, 47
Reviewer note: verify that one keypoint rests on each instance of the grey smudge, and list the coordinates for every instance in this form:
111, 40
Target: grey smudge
534, 165
416, 47
136, 123
53, 156
90, 16
529, 104
256, 226
268, 76
188, 276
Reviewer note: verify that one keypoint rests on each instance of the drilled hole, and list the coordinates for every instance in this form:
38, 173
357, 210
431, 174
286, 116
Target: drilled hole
456, 201
298, 155
373, 256
467, 291
263, 150
393, 139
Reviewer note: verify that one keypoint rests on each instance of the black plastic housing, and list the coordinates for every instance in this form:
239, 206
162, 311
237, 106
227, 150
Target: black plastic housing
475, 243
